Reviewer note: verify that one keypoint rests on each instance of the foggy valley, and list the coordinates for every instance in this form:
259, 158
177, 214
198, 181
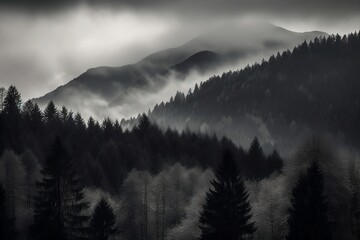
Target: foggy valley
179, 120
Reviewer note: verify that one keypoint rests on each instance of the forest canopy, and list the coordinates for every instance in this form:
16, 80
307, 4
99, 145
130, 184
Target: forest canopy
104, 153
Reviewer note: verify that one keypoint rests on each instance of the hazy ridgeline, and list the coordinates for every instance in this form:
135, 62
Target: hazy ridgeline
121, 92
312, 89
160, 184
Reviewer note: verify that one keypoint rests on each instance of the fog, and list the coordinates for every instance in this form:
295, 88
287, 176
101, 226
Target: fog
44, 46
184, 190
39, 53
129, 101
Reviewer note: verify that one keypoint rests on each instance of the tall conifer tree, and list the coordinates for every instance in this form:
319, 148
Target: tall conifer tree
59, 205
308, 215
256, 161
102, 221
227, 211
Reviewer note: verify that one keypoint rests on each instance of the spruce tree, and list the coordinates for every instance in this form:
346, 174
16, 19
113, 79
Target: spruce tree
227, 211
143, 125
308, 215
64, 114
51, 114
60, 200
256, 161
12, 102
102, 221
12, 120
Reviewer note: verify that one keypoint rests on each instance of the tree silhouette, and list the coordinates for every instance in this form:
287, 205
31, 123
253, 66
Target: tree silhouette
12, 119
256, 160
308, 215
237, 94
102, 221
59, 204
12, 102
51, 114
144, 124
227, 211
105, 151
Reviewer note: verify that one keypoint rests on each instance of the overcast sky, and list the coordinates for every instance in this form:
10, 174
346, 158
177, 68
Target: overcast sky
44, 44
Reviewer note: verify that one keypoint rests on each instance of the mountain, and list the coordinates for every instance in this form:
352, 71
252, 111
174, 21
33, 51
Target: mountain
130, 89
201, 61
312, 90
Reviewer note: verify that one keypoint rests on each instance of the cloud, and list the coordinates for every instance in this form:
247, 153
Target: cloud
327, 7
134, 100
44, 44
39, 53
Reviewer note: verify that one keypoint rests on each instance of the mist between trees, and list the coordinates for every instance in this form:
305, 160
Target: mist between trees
60, 177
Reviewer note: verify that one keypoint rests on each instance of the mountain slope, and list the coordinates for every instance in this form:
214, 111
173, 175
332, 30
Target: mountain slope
312, 90
102, 88
201, 61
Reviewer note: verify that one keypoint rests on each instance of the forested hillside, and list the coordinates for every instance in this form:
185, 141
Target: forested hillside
104, 153
63, 178
313, 89
132, 88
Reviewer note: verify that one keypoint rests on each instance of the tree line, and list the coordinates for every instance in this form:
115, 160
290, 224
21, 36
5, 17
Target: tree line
104, 153
312, 88
60, 154
59, 210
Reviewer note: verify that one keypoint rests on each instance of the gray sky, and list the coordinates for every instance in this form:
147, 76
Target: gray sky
44, 44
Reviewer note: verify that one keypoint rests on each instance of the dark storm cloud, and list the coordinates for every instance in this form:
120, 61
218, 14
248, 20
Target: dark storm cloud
315, 8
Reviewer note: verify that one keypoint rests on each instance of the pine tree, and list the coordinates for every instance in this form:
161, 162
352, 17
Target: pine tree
32, 116
64, 114
102, 221
79, 121
59, 204
256, 161
12, 102
12, 119
108, 128
227, 211
51, 114
308, 215
144, 124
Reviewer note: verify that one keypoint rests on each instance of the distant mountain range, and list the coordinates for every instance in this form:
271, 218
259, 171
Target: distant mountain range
115, 88
312, 90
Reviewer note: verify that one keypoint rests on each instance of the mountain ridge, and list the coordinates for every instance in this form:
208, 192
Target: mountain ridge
278, 98
113, 85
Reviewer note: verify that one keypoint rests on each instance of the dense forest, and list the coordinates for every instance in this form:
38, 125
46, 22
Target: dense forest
311, 89
63, 178
104, 153
43, 150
